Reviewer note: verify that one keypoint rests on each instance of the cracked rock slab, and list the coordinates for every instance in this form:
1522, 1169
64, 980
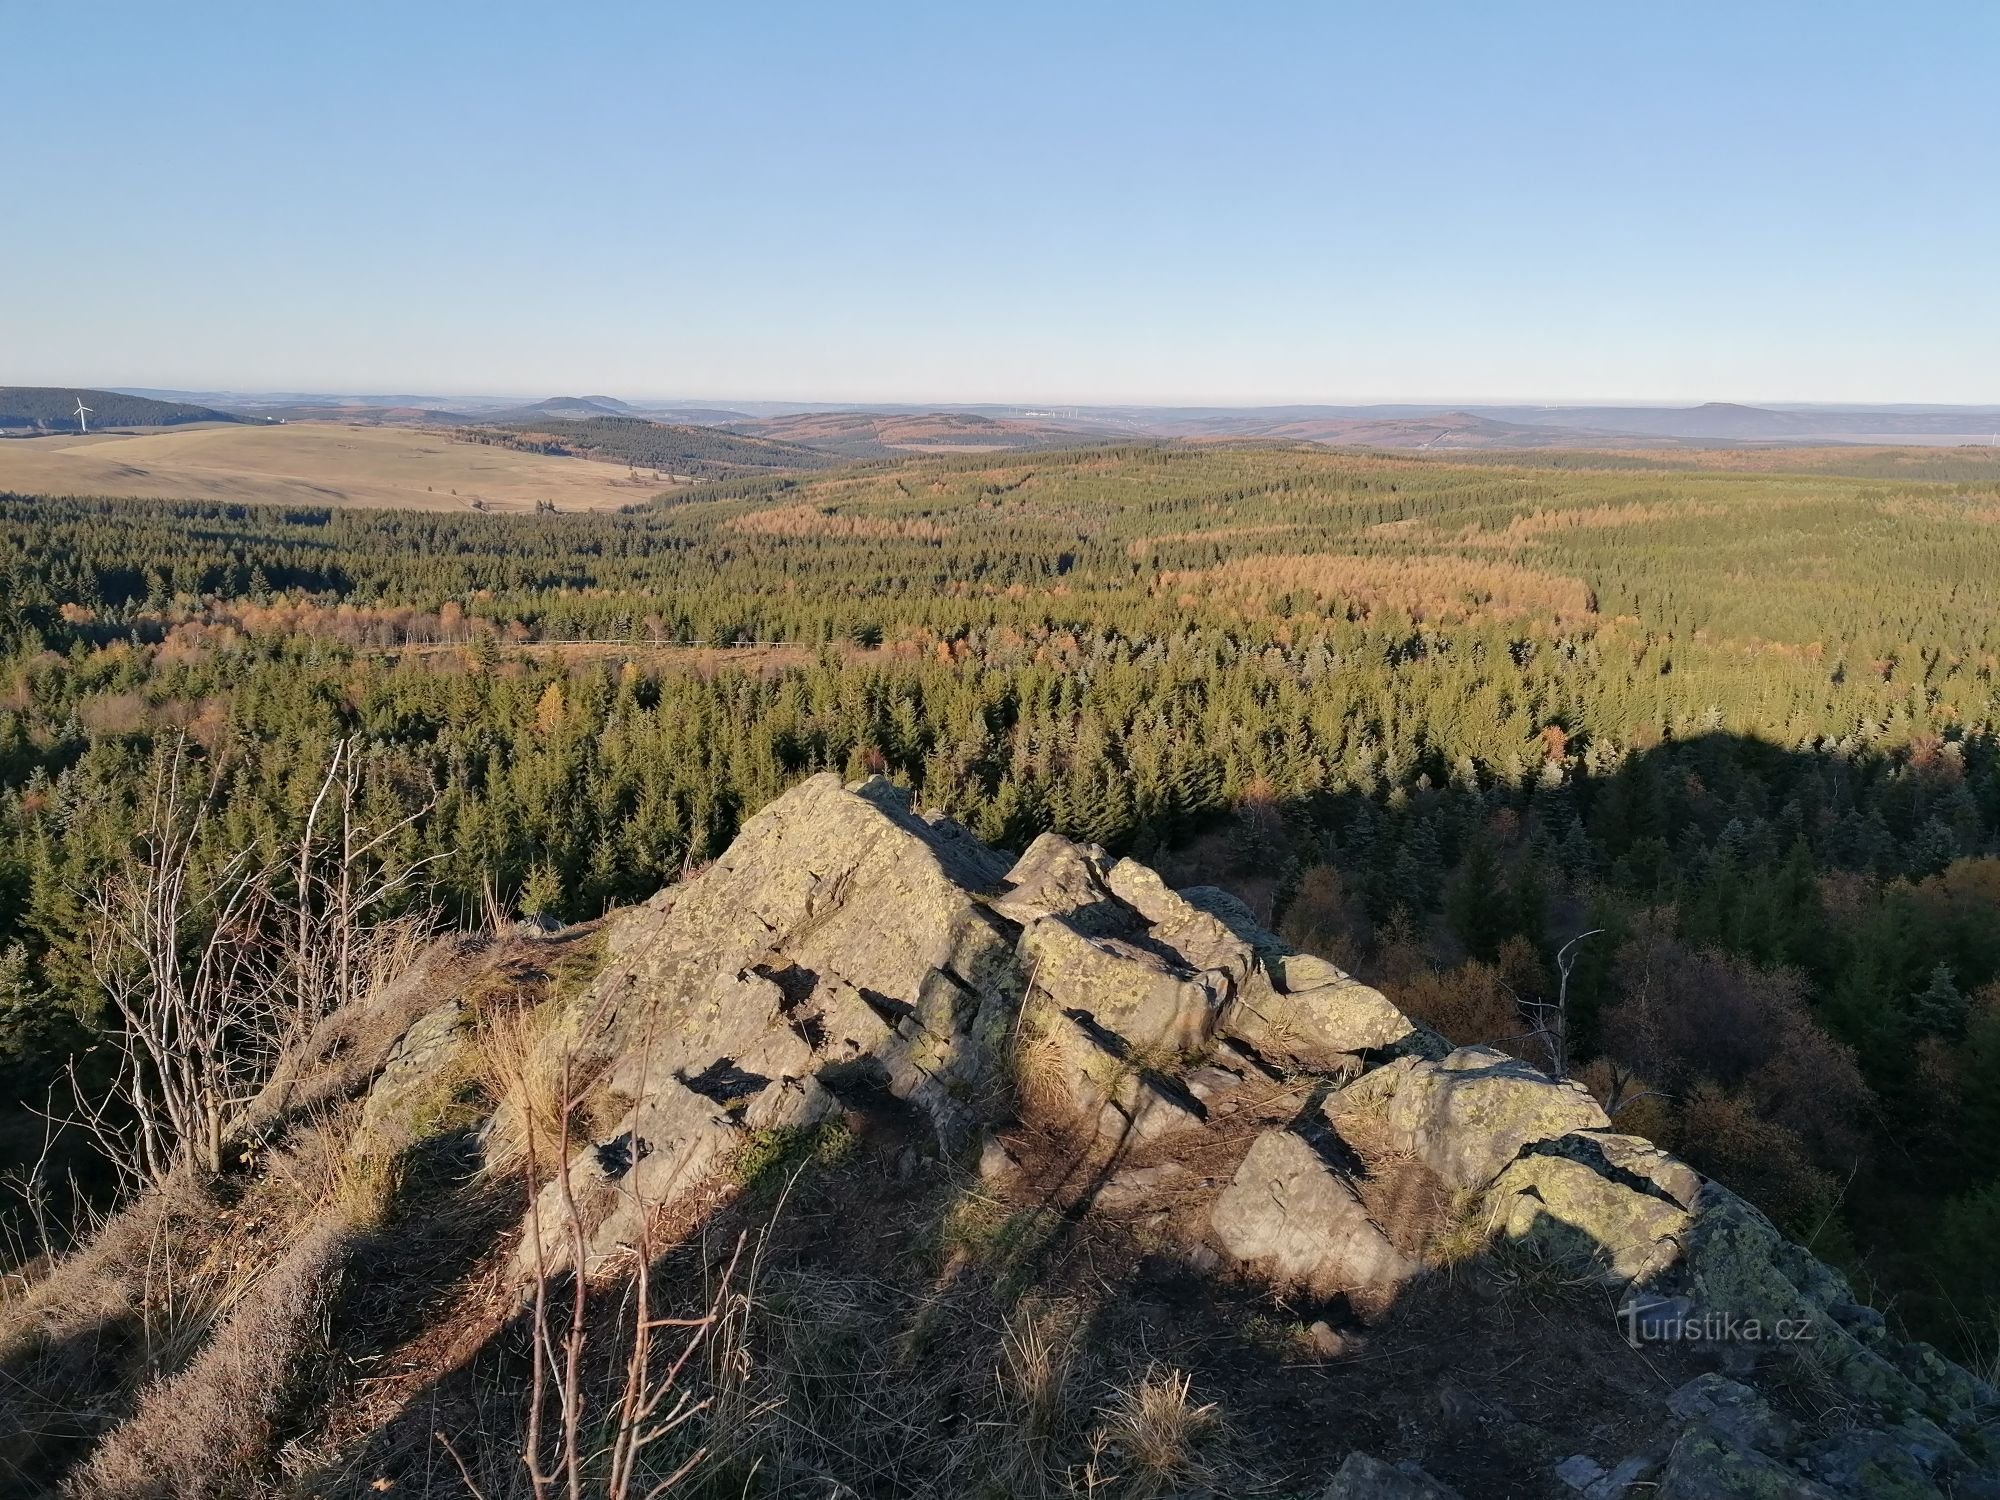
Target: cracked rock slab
1289, 1217
1468, 1116
1614, 1203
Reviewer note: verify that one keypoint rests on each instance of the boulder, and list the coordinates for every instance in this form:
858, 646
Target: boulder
1364, 1478
1468, 1116
1058, 877
1707, 1464
1868, 1462
1149, 1002
997, 1165
1735, 1410
1197, 938
1290, 1218
1298, 1011
1308, 1015
416, 1083
1740, 1269
1613, 1202
1588, 1478
1146, 1106
839, 950
1211, 1082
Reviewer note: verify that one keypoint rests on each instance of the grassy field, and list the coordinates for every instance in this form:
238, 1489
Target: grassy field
314, 464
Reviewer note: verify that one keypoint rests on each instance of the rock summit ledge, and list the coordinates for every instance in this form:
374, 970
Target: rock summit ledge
1080, 1034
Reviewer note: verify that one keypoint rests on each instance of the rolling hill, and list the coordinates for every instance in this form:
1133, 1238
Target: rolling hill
315, 464
685, 452
48, 408
582, 406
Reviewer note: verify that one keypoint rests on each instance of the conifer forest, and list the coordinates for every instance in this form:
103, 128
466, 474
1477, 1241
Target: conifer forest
1702, 752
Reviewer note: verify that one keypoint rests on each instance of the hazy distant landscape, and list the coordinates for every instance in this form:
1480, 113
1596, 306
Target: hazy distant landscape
1462, 426
591, 453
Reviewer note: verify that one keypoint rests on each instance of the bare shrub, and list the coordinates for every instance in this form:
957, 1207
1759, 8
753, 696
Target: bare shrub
176, 951
1689, 1017
1322, 920
210, 970
1469, 1004
1634, 1105
1727, 1136
341, 934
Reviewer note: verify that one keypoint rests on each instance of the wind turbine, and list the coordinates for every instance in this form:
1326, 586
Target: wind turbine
82, 413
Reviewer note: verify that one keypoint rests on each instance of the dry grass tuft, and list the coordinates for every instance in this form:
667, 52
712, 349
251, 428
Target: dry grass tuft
1462, 1233
1156, 1428
319, 1168
523, 1074
1037, 1354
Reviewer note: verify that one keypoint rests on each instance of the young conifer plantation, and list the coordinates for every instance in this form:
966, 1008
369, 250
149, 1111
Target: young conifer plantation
1725, 732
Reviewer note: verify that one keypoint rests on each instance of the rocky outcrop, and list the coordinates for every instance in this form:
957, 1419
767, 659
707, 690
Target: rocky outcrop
1303, 1012
1614, 1202
1737, 1265
839, 953
420, 1070
1050, 1082
1472, 1113
1707, 1464
1257, 1108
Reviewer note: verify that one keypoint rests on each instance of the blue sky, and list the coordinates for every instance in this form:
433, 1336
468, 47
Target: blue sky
1162, 202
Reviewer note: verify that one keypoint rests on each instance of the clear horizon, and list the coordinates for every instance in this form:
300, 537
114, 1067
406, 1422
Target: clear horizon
652, 399
1129, 207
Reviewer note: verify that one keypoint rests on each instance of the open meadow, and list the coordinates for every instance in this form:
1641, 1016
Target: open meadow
315, 464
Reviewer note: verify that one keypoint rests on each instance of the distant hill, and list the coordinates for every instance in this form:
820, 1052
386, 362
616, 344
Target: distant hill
582, 406
50, 408
688, 452
695, 416
1452, 430
864, 434
1729, 422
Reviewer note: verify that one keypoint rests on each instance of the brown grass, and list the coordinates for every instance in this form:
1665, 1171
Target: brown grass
524, 1075
314, 463
1156, 1428
207, 1432
1037, 1355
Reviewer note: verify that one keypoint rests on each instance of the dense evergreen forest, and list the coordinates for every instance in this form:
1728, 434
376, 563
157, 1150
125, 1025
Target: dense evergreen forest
1435, 718
690, 452
54, 407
